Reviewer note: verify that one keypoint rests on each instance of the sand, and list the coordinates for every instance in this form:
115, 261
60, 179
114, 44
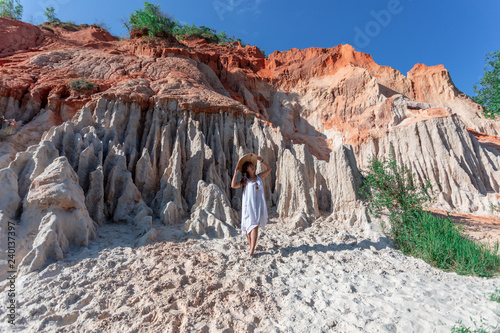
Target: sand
316, 280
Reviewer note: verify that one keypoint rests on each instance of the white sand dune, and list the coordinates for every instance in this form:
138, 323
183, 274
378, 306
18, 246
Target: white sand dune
316, 280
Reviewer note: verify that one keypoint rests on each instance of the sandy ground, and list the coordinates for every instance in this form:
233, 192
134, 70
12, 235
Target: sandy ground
316, 280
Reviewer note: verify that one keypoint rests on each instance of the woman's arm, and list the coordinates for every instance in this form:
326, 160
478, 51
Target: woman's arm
234, 183
266, 172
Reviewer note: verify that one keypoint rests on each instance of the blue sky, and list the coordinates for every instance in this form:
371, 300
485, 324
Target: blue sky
397, 33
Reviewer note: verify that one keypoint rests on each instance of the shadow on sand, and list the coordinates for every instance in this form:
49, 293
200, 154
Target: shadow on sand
383, 243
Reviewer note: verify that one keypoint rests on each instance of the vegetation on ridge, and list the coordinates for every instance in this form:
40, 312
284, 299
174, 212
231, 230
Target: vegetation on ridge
392, 188
53, 21
50, 14
9, 9
81, 84
153, 22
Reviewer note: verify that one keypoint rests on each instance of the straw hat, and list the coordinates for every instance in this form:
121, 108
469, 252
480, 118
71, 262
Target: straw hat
248, 157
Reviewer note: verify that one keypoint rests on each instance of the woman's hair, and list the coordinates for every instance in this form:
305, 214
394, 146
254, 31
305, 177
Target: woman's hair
244, 173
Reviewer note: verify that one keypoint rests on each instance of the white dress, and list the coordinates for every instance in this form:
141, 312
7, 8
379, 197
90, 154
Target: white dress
254, 208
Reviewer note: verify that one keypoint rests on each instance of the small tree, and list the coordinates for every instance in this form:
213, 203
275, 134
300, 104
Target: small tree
488, 89
10, 10
50, 14
151, 19
393, 188
81, 84
390, 187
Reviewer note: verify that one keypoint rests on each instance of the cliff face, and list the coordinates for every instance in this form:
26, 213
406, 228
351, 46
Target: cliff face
160, 132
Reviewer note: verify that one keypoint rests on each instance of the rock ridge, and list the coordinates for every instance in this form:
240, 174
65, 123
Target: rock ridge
158, 135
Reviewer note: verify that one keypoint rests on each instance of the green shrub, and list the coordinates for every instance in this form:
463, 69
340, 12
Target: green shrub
50, 14
210, 35
488, 88
10, 10
390, 188
191, 30
81, 84
152, 20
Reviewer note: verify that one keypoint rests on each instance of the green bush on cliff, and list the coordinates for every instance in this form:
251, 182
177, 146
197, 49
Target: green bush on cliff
153, 22
9, 9
488, 88
209, 34
391, 188
50, 14
81, 84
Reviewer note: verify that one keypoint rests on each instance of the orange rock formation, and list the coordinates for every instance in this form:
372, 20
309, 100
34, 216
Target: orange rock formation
322, 97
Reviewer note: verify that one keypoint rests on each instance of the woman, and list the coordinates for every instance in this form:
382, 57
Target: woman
254, 209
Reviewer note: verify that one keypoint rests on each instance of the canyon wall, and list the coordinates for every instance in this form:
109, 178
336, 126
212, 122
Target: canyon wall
158, 135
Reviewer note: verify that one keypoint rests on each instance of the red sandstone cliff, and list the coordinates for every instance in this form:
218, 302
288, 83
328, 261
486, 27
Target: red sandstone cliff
320, 97
164, 123
155, 141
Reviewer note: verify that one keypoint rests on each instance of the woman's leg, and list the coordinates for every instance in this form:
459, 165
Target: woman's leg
253, 239
249, 241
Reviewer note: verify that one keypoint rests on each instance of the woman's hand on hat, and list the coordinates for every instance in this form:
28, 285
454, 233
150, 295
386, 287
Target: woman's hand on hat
259, 158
